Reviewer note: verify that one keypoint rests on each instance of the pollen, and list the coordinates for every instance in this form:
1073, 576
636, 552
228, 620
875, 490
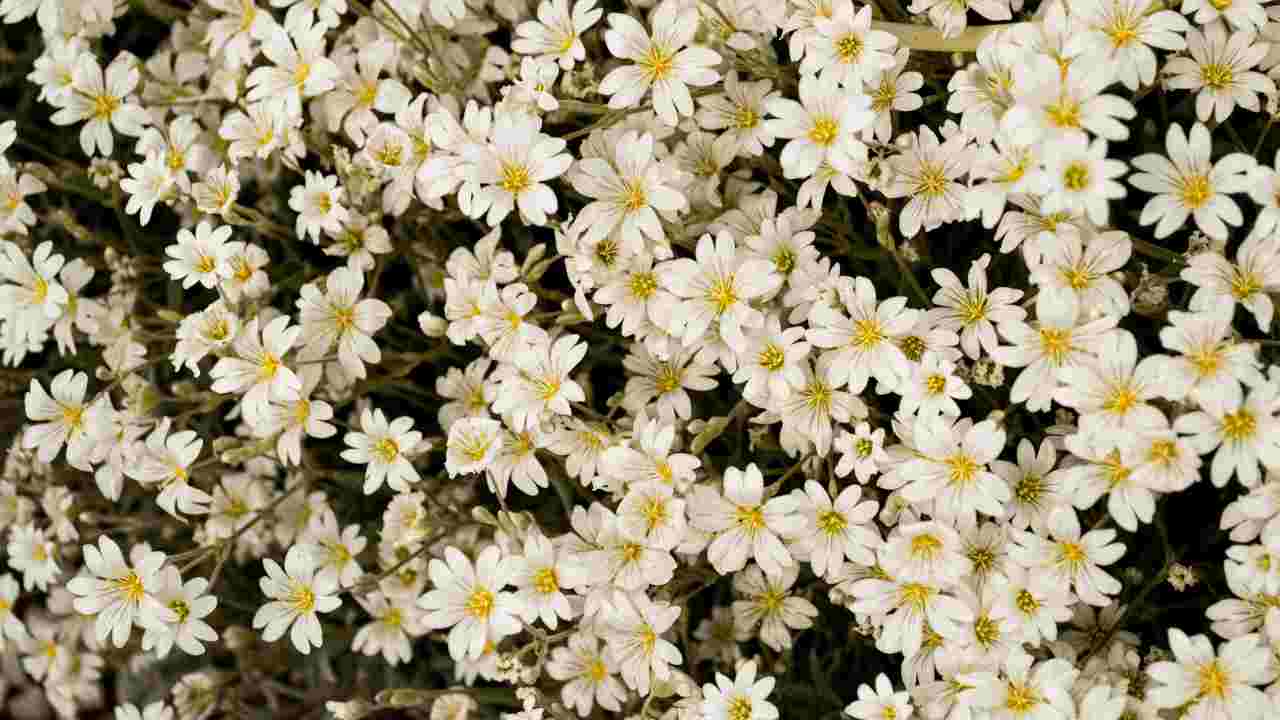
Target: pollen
1214, 680
745, 118
1244, 284
634, 197
1077, 278
722, 294
935, 384
1055, 344
479, 603
824, 131
181, 609
849, 48
986, 631
301, 598
1064, 114
545, 581
668, 379
749, 517
658, 63
206, 264
1020, 699
654, 511
386, 450
1194, 191
1075, 177
104, 106
932, 182
1030, 489
1120, 400
832, 522
867, 333
913, 346
925, 546
739, 708
864, 447
597, 671
1026, 602
643, 285
1239, 426
130, 586
1216, 76
963, 469
772, 358
515, 178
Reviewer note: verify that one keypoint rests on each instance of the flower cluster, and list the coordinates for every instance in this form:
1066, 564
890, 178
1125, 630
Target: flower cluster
674, 359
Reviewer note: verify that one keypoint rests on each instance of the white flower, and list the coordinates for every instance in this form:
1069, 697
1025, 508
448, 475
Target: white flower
861, 345
845, 50
538, 575
165, 462
30, 294
103, 100
590, 674
835, 531
1243, 433
200, 257
384, 446
928, 172
469, 600
64, 418
190, 605
1077, 271
739, 113
974, 311
513, 170
1217, 686
742, 698
1112, 391
667, 381
767, 607
861, 451
1187, 183
822, 128
1058, 339
892, 90
664, 62
1210, 365
300, 68
1220, 70
771, 363
258, 370
296, 595
634, 626
1081, 179
395, 620
557, 33
339, 317
1248, 281
718, 288
933, 387
746, 525
474, 443
319, 206
628, 190
1024, 690
1121, 33
881, 702
335, 549
119, 594
1071, 558
538, 386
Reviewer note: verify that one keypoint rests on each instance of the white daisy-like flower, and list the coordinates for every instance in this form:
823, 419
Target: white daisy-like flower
384, 446
1187, 183
296, 595
119, 593
1220, 71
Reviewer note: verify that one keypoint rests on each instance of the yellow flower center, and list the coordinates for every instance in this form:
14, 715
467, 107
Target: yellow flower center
915, 596
739, 708
1164, 452
545, 581
1244, 284
1194, 191
104, 106
643, 285
1071, 554
963, 469
831, 522
1121, 400
634, 197
932, 182
206, 264
654, 511
925, 546
882, 99
750, 517
935, 384
130, 586
668, 378
657, 63
181, 609
1239, 426
1026, 602
301, 73
913, 346
772, 358
1064, 114
479, 603
1076, 177
745, 118
1055, 344
986, 631
1214, 680
73, 417
1216, 76
864, 447
302, 599
824, 131
867, 333
849, 48
607, 250
386, 450
1020, 699
596, 671
722, 293
515, 178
